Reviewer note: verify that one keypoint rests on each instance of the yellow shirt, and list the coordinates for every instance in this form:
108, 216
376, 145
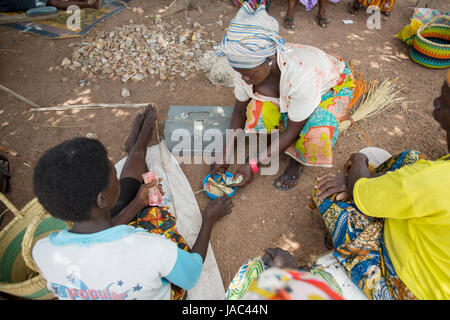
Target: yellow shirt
415, 200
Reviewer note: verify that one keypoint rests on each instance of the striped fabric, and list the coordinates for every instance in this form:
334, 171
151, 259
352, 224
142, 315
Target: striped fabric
248, 272
256, 281
251, 38
430, 47
253, 3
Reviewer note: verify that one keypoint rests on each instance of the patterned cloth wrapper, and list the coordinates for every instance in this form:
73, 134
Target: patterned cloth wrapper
250, 270
318, 136
252, 3
160, 221
255, 281
309, 4
359, 242
384, 5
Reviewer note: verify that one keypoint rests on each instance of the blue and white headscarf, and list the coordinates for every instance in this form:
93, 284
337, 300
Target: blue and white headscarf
252, 37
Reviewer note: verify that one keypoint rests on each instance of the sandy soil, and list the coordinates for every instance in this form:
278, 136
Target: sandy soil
262, 216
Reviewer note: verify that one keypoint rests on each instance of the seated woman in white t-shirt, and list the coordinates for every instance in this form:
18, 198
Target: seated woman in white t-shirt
297, 89
102, 257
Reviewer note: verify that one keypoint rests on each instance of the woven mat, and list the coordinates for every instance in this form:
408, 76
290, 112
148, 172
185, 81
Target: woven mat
57, 28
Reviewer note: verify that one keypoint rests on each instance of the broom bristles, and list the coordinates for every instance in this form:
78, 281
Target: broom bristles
377, 98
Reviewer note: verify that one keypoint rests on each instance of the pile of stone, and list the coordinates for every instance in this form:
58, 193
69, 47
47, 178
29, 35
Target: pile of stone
133, 52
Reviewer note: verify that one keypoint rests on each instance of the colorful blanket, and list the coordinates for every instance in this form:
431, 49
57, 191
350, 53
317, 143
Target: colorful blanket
57, 28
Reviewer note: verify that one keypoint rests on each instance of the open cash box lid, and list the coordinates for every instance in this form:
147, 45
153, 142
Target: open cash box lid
189, 128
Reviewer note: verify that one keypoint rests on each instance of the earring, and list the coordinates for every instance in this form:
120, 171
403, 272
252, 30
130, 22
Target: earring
270, 63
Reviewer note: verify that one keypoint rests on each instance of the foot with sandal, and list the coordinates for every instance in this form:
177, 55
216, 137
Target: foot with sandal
322, 20
290, 177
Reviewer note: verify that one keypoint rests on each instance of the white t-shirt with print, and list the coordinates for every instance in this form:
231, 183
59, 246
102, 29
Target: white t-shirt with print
306, 74
122, 262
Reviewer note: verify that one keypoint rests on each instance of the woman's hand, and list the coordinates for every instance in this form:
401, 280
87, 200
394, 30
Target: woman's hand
218, 208
142, 196
246, 172
359, 159
330, 184
218, 169
279, 258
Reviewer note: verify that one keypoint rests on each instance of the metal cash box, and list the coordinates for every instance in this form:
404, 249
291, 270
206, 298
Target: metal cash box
195, 122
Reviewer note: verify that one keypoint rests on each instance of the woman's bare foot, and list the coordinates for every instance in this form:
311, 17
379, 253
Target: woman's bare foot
136, 164
145, 134
130, 140
96, 4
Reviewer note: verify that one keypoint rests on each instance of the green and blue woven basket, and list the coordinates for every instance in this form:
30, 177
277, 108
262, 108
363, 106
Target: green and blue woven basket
431, 45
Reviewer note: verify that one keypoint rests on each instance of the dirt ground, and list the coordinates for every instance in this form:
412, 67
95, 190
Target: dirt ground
262, 217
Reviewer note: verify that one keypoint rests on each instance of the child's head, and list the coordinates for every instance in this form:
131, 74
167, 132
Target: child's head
69, 177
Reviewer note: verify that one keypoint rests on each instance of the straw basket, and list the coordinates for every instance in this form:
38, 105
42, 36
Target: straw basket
431, 45
19, 276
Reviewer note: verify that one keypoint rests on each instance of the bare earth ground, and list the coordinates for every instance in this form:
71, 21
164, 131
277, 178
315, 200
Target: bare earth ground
262, 217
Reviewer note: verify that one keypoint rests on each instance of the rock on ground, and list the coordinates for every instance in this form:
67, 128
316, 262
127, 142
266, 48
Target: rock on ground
222, 74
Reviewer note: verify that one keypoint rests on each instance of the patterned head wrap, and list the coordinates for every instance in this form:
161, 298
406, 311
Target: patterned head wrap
251, 38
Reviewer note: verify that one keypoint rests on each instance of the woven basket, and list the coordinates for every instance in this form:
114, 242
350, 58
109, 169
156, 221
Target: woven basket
431, 45
19, 276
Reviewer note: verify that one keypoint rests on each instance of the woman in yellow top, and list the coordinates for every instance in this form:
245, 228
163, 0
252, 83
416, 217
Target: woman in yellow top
391, 227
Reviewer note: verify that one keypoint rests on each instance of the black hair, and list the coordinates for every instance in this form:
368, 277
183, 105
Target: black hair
69, 176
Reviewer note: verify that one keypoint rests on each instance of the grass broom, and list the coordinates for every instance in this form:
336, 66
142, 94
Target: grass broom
378, 97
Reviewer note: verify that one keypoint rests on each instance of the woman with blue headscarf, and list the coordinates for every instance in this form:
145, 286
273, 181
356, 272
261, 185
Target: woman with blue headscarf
297, 89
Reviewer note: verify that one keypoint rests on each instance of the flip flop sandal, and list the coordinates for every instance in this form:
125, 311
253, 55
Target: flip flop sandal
288, 23
285, 178
5, 175
323, 22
